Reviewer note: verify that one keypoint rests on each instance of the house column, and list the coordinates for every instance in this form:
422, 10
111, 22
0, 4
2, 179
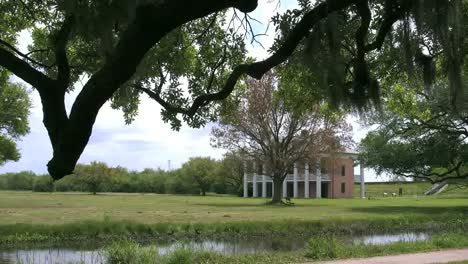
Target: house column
264, 183
285, 188
363, 184
254, 180
306, 181
318, 181
295, 193
246, 183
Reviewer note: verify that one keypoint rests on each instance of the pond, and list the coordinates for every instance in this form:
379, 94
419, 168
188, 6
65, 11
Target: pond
94, 255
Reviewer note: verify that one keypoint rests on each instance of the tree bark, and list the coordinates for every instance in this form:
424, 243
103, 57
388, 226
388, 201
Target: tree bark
277, 190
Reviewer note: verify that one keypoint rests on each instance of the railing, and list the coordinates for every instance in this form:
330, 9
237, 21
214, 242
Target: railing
289, 178
357, 178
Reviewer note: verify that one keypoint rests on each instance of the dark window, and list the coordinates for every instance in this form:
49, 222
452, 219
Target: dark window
343, 187
343, 170
323, 166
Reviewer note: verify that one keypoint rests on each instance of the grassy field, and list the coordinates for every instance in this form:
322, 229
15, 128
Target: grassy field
60, 208
376, 190
54, 218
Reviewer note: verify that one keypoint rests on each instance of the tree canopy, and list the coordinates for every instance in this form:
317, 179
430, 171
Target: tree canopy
419, 136
14, 110
126, 48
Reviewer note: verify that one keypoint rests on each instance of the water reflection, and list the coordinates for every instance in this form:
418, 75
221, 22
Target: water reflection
234, 247
390, 239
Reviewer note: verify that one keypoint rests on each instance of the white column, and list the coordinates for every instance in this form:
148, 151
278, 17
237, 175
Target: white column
363, 185
295, 181
285, 188
264, 183
306, 181
246, 183
318, 182
254, 180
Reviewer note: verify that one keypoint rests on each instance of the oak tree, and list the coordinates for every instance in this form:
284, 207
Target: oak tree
125, 48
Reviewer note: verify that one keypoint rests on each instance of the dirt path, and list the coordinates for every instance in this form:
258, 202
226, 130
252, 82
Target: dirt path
444, 256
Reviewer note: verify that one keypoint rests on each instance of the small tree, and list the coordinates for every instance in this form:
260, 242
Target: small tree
202, 171
266, 127
231, 172
94, 177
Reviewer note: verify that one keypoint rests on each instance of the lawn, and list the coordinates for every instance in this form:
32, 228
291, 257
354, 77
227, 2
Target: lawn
49, 219
409, 189
60, 208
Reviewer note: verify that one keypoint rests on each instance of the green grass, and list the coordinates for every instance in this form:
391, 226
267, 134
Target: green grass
61, 208
27, 216
410, 189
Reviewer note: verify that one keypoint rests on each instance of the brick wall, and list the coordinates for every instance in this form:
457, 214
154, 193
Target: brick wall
338, 180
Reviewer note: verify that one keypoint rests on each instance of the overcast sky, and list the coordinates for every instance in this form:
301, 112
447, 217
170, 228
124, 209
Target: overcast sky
148, 142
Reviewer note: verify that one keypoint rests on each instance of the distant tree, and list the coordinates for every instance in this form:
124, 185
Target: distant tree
265, 127
20, 181
95, 176
202, 171
43, 183
231, 172
179, 182
14, 111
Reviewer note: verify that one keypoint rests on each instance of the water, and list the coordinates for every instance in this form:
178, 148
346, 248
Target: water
390, 239
235, 247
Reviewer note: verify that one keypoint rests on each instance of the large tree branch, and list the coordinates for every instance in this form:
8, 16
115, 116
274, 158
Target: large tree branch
25, 71
22, 55
151, 23
61, 40
258, 69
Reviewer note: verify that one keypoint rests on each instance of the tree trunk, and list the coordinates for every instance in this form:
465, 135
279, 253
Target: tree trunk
203, 192
277, 190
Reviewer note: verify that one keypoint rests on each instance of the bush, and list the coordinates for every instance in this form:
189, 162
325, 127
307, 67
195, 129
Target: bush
180, 256
322, 248
129, 252
43, 184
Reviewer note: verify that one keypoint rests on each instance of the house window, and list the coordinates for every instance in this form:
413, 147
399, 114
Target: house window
323, 166
343, 170
343, 187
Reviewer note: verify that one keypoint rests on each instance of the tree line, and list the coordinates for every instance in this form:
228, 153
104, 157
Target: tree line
197, 176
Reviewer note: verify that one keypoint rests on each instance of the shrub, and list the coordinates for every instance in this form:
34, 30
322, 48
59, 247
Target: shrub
322, 248
180, 256
129, 252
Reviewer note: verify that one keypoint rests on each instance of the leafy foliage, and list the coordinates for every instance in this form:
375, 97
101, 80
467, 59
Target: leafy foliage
14, 111
186, 55
202, 171
419, 136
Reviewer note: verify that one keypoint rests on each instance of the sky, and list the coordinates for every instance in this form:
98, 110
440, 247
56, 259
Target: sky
148, 142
